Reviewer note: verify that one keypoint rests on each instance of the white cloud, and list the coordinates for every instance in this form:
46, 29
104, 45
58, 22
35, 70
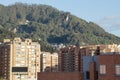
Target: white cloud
111, 17
110, 24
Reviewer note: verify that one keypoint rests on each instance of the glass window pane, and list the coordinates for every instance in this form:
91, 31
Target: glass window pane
102, 69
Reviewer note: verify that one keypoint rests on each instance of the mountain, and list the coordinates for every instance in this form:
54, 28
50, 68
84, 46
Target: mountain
50, 25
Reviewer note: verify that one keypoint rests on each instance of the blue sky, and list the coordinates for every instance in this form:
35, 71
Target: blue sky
105, 13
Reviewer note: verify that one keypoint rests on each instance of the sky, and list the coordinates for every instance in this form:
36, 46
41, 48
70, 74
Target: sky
105, 13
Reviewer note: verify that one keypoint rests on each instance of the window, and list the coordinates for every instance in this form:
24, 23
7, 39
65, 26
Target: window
22, 46
28, 46
22, 53
33, 46
97, 75
87, 75
117, 69
102, 69
44, 60
22, 49
17, 52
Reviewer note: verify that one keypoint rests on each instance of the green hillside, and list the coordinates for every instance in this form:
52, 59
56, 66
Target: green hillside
50, 25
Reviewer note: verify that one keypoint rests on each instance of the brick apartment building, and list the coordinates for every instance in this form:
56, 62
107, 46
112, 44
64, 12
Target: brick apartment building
109, 67
100, 62
105, 66
75, 61
69, 66
19, 59
5, 61
69, 59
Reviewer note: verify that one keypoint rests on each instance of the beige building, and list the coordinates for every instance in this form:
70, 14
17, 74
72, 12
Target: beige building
21, 59
104, 48
49, 62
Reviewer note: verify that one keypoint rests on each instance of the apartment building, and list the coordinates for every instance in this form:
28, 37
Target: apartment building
109, 66
69, 59
104, 48
49, 62
5, 62
102, 67
86, 63
69, 65
23, 59
90, 51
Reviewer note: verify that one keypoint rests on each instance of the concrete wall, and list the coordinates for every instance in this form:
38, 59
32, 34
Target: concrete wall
86, 64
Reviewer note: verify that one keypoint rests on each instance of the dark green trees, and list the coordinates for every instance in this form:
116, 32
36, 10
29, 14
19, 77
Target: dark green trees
50, 25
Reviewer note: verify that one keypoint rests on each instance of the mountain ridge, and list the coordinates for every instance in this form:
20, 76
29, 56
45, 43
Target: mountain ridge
50, 25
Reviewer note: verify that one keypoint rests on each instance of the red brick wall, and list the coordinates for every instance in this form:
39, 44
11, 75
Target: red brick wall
5, 61
74, 55
60, 76
85, 51
93, 71
110, 61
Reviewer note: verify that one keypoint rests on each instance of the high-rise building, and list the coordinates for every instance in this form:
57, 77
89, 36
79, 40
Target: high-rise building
69, 59
5, 62
49, 62
20, 60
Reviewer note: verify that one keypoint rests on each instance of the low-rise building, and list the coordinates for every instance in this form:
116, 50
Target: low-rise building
109, 67
103, 48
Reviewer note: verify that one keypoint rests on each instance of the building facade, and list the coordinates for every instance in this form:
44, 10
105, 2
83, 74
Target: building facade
103, 48
69, 59
5, 62
90, 67
49, 62
109, 67
24, 59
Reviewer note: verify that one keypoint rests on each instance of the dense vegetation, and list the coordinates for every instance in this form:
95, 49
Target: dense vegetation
50, 25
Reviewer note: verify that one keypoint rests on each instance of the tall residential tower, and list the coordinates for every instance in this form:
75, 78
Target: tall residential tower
20, 59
